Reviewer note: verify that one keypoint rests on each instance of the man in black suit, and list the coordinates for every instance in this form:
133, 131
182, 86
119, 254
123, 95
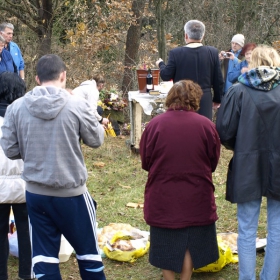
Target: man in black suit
197, 63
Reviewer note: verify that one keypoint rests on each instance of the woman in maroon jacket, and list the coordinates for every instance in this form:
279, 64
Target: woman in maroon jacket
180, 149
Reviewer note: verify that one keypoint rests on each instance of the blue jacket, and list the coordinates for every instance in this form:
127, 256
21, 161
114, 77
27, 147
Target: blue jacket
16, 55
6, 62
236, 71
231, 63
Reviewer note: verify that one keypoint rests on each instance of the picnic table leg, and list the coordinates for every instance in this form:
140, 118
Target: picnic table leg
137, 116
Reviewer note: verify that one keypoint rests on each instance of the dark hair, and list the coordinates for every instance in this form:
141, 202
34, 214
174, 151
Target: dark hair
184, 94
248, 47
12, 86
49, 67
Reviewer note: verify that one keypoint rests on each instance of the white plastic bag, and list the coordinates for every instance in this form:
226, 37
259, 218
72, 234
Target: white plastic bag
13, 243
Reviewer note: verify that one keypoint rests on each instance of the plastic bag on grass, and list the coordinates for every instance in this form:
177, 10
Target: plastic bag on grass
225, 257
13, 243
123, 248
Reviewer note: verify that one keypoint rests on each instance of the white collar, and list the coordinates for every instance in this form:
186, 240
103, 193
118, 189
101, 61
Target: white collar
193, 45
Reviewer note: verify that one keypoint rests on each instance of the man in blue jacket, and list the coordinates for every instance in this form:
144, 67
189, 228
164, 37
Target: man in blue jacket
7, 31
6, 60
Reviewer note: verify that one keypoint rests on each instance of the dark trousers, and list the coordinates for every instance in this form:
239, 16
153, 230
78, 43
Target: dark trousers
100, 110
22, 225
75, 218
206, 104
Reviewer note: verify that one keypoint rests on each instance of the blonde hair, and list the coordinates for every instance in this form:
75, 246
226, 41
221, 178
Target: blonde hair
264, 55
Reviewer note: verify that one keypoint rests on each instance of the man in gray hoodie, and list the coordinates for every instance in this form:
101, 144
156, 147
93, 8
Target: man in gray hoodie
44, 128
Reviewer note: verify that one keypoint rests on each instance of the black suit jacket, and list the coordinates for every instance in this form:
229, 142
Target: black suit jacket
200, 65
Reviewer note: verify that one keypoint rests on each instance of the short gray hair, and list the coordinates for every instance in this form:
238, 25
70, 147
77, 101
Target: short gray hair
5, 25
195, 29
2, 40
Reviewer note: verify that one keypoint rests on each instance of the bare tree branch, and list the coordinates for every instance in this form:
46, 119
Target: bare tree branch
20, 17
29, 5
275, 21
37, 2
12, 4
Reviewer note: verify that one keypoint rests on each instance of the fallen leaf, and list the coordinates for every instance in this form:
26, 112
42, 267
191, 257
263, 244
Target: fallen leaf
124, 187
135, 205
132, 205
98, 164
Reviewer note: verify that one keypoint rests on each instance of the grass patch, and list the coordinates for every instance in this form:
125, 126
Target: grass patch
115, 179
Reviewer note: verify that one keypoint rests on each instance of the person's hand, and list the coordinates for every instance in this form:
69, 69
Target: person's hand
244, 70
215, 105
222, 55
226, 55
158, 62
105, 121
230, 55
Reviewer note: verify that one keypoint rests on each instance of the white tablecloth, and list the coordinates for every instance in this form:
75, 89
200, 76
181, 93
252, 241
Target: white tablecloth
145, 100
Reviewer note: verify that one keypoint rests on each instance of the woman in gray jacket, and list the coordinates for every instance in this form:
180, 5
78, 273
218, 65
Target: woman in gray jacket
12, 188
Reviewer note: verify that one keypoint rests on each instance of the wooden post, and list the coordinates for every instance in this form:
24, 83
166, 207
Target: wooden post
137, 124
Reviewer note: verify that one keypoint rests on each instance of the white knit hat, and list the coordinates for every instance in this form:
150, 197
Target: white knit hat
239, 39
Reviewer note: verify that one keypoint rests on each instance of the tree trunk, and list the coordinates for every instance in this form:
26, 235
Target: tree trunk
161, 30
37, 16
44, 30
132, 45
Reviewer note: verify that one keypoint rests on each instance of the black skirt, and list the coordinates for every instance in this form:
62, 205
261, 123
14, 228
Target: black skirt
168, 246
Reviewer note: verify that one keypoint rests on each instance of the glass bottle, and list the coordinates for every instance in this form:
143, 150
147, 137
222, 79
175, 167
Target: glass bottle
149, 80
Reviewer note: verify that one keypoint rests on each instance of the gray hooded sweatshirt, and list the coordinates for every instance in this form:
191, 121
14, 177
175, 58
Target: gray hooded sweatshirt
44, 128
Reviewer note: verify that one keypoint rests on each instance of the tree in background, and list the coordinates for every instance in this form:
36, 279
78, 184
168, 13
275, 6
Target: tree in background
37, 15
132, 44
113, 37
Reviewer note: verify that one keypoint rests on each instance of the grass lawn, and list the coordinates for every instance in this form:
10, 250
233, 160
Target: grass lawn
115, 179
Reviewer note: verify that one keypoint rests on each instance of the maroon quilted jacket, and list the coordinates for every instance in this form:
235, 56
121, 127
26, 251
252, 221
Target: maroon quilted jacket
180, 150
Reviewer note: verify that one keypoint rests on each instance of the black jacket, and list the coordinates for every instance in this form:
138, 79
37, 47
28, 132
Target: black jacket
200, 65
248, 123
3, 107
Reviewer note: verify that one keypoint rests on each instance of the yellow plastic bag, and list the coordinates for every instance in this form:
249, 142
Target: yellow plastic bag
225, 257
141, 248
110, 130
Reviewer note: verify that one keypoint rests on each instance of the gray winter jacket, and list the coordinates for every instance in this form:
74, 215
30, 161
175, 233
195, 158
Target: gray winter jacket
44, 128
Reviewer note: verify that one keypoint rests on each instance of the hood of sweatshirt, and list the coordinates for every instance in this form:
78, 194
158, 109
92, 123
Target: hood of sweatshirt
88, 83
262, 78
87, 88
46, 102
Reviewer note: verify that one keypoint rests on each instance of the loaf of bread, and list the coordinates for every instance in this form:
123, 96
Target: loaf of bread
109, 231
123, 245
230, 239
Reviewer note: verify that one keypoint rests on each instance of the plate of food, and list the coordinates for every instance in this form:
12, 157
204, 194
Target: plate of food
260, 243
230, 239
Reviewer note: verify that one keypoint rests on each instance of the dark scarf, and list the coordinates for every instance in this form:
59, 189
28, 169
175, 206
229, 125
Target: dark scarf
262, 78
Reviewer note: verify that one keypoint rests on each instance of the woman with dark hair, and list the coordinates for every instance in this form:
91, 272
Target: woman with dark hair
12, 188
6, 59
241, 67
180, 149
